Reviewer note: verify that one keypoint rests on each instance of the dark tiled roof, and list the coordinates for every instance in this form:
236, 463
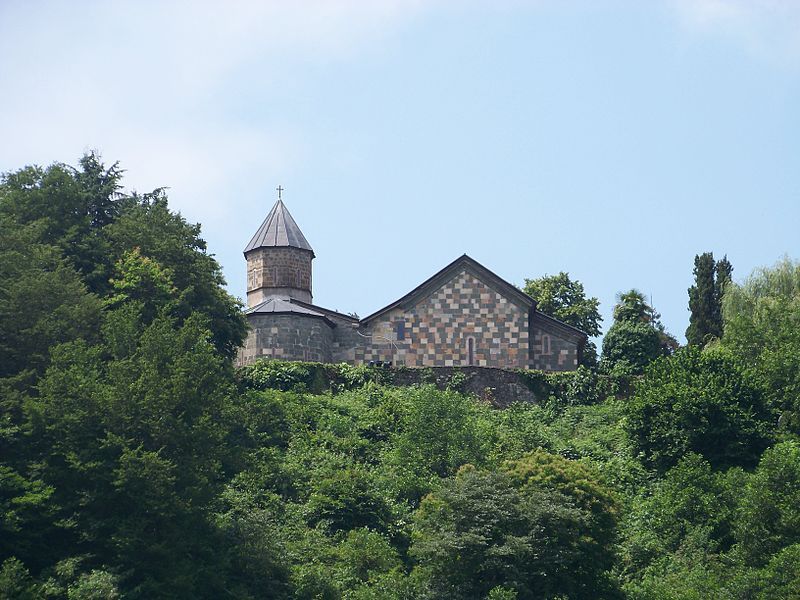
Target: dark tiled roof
278, 229
566, 327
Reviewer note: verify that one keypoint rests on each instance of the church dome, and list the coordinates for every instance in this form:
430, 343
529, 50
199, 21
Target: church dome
279, 229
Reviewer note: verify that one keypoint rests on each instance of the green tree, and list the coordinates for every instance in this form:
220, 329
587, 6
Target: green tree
42, 302
762, 329
142, 281
133, 446
365, 557
692, 506
146, 223
629, 347
347, 499
540, 470
632, 307
724, 276
699, 402
703, 320
636, 338
70, 208
770, 506
438, 431
478, 532
16, 581
565, 299
92, 224
705, 298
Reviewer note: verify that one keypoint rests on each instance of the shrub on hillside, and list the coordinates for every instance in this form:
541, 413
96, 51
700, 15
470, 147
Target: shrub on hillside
699, 402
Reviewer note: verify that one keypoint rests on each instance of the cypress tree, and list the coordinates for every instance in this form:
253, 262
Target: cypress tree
704, 319
724, 272
705, 298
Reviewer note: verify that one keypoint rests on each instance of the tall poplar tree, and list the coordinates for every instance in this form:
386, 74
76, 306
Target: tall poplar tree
723, 278
705, 298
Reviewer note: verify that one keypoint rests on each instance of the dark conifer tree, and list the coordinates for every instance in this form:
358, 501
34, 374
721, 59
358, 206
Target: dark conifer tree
703, 302
724, 270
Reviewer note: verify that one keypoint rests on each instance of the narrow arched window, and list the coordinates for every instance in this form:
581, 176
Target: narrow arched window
471, 351
545, 344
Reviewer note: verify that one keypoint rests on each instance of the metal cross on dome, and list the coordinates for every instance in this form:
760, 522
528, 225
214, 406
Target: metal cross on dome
280, 189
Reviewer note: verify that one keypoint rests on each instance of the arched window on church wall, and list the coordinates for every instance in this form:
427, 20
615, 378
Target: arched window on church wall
471, 351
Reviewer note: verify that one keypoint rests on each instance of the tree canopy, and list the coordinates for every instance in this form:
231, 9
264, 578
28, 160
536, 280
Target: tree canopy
636, 338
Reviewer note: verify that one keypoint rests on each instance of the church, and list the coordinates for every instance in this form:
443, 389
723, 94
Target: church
463, 315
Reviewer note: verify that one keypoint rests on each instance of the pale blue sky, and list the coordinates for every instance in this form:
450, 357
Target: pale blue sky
612, 140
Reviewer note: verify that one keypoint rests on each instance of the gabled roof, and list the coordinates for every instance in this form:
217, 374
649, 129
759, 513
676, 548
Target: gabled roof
277, 304
462, 263
278, 230
560, 325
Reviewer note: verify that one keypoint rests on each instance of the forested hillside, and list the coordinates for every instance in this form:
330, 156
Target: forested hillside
135, 462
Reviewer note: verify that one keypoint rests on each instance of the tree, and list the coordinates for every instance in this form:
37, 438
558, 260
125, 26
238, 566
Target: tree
70, 207
770, 508
705, 298
629, 347
636, 338
540, 470
700, 402
85, 218
437, 433
42, 302
692, 505
146, 223
762, 329
565, 299
478, 532
132, 444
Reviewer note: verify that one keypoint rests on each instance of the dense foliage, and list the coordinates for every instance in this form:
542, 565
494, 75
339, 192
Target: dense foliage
762, 328
636, 338
135, 462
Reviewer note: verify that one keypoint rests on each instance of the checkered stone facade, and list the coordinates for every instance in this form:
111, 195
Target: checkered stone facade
552, 349
436, 332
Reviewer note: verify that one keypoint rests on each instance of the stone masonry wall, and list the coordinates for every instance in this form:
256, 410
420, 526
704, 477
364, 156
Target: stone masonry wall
498, 386
437, 331
287, 337
346, 340
552, 351
280, 270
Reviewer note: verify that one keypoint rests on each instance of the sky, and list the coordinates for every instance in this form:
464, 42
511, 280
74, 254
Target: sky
612, 140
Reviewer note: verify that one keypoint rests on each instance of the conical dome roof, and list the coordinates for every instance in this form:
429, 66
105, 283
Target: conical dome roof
278, 230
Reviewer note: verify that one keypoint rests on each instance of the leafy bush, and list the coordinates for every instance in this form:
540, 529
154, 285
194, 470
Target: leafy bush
309, 376
699, 402
770, 506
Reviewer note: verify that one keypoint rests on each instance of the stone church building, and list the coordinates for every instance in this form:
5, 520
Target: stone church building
464, 315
